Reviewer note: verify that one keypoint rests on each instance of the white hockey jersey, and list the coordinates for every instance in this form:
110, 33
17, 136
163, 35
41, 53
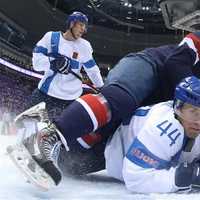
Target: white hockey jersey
65, 86
145, 151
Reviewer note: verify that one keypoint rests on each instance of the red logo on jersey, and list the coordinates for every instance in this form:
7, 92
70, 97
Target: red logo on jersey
75, 55
147, 159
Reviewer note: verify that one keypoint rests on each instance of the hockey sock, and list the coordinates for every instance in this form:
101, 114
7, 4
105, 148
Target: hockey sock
90, 112
88, 140
196, 40
83, 116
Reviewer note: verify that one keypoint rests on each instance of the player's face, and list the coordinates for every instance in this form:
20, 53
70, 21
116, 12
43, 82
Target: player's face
78, 29
190, 119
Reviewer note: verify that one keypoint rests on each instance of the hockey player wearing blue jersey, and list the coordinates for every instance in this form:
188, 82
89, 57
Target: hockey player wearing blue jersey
59, 55
155, 150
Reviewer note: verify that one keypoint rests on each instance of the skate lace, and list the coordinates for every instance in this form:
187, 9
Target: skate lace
48, 140
44, 116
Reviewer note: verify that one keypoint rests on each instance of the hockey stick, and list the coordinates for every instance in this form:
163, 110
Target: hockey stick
80, 78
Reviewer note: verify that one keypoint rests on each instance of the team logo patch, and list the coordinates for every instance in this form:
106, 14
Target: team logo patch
137, 153
141, 156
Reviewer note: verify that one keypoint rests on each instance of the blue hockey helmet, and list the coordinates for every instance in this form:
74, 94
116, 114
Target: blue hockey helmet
76, 17
187, 99
188, 91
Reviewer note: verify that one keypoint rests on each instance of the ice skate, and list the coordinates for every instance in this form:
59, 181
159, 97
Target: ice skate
35, 175
36, 112
33, 156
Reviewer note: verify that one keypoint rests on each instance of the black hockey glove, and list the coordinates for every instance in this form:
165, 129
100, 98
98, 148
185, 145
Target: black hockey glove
187, 176
183, 176
60, 64
196, 176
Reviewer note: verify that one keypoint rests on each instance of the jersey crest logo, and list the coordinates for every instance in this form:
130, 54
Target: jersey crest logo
75, 55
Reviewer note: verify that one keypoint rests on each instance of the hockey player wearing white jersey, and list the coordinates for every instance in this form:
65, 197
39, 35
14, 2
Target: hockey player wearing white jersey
159, 149
61, 55
156, 150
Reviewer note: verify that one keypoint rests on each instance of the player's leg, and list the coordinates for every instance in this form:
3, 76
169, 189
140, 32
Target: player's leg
54, 156
50, 150
91, 112
128, 84
116, 101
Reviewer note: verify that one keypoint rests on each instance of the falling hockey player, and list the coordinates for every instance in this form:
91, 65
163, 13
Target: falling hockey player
156, 150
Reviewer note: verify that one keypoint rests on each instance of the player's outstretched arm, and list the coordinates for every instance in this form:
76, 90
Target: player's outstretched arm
148, 180
182, 178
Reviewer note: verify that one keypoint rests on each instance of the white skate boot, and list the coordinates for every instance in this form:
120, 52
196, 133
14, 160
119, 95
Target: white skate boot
33, 155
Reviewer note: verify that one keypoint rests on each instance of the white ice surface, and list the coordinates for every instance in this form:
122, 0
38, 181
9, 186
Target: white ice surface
93, 187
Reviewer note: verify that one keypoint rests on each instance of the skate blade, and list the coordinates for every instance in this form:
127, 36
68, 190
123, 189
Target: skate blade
35, 175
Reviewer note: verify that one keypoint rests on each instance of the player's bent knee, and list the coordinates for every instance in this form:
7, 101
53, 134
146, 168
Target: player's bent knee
97, 108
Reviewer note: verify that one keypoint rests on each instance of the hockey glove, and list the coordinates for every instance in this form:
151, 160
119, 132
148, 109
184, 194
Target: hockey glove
183, 176
187, 176
196, 176
60, 64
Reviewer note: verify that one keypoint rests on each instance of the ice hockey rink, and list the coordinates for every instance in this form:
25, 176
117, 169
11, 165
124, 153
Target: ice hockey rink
23, 22
13, 185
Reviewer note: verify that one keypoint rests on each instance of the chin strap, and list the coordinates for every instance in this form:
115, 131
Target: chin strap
72, 34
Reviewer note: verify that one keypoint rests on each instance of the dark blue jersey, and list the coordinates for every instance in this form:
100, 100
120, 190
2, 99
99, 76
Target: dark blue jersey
173, 63
172, 57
